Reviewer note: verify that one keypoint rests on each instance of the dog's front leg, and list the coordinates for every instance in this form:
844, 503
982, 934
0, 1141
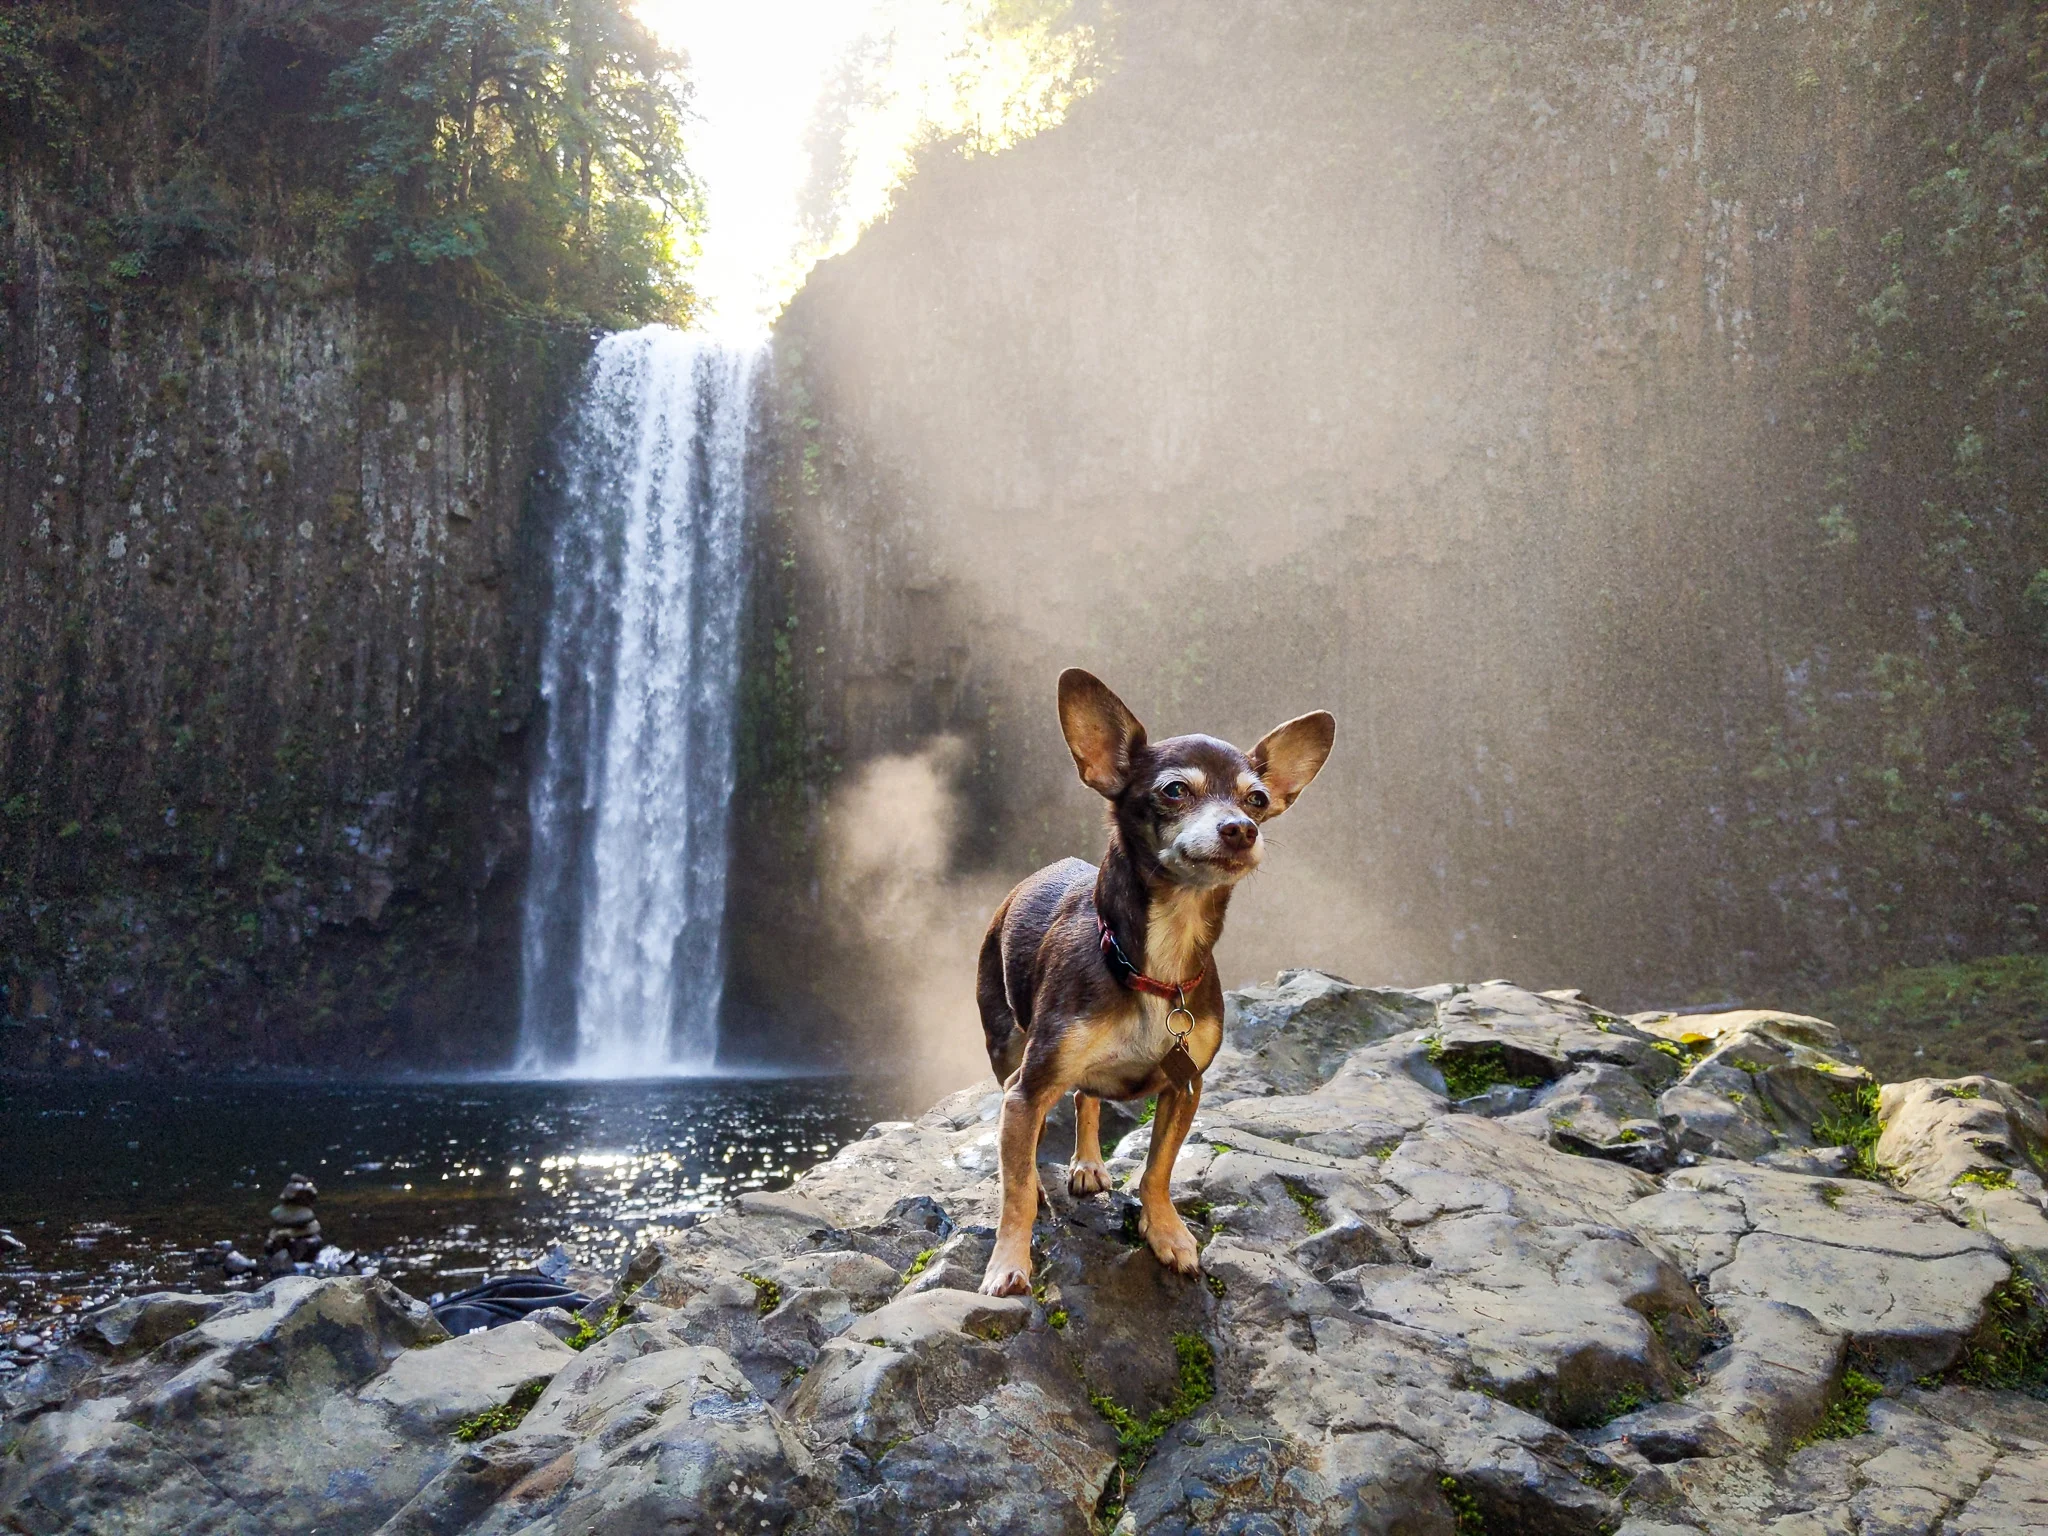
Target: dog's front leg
1024, 1107
1087, 1175
1158, 1222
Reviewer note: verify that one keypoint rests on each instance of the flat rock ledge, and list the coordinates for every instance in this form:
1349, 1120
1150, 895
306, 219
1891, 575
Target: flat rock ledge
1475, 1259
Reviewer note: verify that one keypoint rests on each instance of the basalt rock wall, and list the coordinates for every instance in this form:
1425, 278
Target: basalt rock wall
1470, 370
270, 597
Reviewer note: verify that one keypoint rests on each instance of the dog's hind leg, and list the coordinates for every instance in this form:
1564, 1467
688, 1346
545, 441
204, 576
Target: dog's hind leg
1086, 1175
1158, 1222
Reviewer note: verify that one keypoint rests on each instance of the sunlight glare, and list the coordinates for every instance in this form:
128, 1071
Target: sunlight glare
869, 78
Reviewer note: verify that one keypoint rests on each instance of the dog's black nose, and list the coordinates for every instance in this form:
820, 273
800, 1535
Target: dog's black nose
1239, 833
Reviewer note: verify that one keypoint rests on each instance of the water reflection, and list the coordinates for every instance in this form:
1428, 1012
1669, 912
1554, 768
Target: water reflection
110, 1190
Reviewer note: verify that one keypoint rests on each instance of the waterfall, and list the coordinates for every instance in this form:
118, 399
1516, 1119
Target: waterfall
624, 935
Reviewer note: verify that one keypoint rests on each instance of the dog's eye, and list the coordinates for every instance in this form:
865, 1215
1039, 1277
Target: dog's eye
1173, 793
1257, 800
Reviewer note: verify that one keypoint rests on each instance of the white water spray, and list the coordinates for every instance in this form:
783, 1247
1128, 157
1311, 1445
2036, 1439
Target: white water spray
624, 939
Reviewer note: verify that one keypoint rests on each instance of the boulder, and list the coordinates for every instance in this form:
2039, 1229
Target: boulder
1473, 1257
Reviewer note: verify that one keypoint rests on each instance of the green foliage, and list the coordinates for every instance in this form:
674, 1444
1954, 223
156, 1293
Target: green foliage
1947, 1020
1988, 1178
506, 1416
1135, 1437
1310, 1204
1627, 1400
1608, 1478
1057, 1318
523, 147
767, 1294
588, 1332
523, 158
1471, 1070
1464, 1508
1848, 1411
1151, 1108
917, 1265
2011, 1348
1854, 1124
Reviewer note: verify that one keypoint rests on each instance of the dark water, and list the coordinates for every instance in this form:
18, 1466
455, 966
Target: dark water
120, 1186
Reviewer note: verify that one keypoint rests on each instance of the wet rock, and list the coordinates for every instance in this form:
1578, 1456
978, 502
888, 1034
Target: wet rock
1511, 1309
140, 1324
1601, 1110
1294, 1034
430, 1391
660, 1435
249, 1420
1907, 1284
1974, 1145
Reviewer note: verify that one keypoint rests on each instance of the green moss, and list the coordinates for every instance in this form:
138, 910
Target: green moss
1057, 1318
918, 1264
1627, 1400
1988, 1178
1949, 1020
1310, 1204
1608, 1478
507, 1415
1464, 1508
1848, 1411
588, 1332
767, 1294
1136, 1437
1830, 1195
1854, 1124
1470, 1070
2011, 1349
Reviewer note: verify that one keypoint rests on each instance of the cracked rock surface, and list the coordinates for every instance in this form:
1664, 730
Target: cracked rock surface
1475, 1258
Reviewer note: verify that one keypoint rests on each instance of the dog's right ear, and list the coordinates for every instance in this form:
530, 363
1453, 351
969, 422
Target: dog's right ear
1102, 734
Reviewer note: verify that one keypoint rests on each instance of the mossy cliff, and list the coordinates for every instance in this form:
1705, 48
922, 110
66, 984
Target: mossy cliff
270, 610
1626, 420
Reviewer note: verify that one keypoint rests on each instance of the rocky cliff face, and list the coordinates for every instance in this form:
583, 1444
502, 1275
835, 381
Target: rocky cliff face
269, 603
1475, 1259
1482, 373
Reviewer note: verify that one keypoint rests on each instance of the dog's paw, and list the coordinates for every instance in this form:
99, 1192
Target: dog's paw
1004, 1278
1087, 1179
1170, 1241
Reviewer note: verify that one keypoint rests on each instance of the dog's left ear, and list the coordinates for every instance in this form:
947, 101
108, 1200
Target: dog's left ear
1289, 755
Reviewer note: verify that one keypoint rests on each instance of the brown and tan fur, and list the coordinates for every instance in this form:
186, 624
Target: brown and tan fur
1184, 823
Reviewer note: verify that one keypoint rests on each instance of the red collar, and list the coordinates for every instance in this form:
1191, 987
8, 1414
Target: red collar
1121, 968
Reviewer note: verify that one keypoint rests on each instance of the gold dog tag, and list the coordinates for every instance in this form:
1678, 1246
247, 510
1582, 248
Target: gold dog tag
1180, 1068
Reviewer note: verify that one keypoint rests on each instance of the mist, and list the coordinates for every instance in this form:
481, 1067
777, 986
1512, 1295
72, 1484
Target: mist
1483, 376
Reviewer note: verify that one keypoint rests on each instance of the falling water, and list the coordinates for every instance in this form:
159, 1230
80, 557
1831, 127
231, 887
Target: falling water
624, 945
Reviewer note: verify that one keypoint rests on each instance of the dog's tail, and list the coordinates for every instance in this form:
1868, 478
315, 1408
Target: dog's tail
999, 1025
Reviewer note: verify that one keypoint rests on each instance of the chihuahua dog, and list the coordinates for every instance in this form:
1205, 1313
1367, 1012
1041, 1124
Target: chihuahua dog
1099, 981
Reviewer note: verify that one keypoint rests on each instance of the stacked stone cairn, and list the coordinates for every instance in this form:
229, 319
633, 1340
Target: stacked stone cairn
294, 1229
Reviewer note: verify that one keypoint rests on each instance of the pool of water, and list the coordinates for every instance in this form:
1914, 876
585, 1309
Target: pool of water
110, 1187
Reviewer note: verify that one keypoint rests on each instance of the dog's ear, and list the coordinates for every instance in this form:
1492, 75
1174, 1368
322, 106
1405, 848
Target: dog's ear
1102, 734
1289, 755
